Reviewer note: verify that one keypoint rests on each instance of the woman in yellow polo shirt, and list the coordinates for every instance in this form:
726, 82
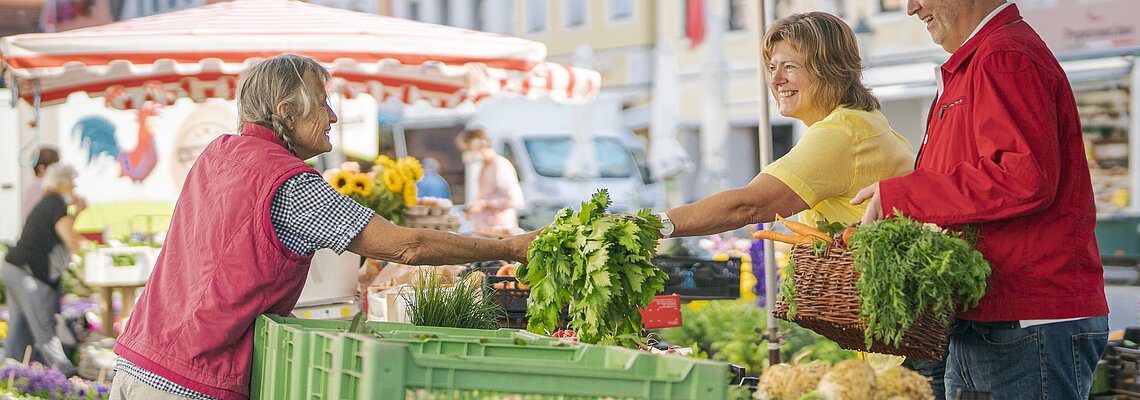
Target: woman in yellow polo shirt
815, 72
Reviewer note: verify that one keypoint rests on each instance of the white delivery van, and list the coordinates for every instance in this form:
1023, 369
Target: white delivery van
538, 137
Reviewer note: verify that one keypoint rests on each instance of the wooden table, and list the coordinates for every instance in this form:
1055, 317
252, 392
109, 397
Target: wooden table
128, 292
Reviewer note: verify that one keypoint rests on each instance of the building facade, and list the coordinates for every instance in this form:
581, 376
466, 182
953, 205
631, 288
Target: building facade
1096, 42
714, 44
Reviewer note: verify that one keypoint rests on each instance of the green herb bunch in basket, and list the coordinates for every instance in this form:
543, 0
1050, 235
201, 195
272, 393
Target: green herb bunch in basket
906, 269
892, 289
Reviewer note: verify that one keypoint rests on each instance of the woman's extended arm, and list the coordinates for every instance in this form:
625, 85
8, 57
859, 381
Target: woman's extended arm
384, 240
759, 201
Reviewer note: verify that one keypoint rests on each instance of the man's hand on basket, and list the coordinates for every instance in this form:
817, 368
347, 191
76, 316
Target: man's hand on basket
874, 206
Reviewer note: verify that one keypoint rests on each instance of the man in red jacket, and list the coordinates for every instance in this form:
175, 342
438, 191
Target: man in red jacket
1003, 153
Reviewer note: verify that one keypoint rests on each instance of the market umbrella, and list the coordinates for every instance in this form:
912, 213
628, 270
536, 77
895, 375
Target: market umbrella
198, 52
714, 113
582, 162
667, 158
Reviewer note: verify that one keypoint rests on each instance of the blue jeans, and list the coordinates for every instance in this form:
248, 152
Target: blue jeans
1052, 361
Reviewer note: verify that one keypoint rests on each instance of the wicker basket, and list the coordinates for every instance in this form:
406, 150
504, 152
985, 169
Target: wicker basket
828, 303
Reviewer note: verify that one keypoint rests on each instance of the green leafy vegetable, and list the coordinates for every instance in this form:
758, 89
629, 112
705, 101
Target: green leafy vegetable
788, 288
830, 228
906, 270
124, 260
726, 330
598, 264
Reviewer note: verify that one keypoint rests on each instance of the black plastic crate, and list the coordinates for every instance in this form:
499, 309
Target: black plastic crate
486, 267
507, 293
700, 279
1123, 369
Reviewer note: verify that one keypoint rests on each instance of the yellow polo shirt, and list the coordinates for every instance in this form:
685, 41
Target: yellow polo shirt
839, 156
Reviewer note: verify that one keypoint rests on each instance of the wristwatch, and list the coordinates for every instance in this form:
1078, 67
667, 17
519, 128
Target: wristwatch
667, 227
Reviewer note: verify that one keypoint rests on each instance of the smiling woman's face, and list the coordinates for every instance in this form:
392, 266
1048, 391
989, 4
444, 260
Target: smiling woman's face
311, 132
792, 84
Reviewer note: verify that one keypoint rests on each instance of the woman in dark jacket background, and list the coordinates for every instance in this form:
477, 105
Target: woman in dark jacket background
33, 268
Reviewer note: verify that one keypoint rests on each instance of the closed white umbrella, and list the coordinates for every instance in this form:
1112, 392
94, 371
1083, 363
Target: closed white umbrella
667, 158
714, 117
582, 162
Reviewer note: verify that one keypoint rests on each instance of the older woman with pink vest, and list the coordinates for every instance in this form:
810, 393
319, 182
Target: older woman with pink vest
247, 222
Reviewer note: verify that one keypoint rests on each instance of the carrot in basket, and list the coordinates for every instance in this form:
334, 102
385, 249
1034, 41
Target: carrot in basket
779, 237
803, 229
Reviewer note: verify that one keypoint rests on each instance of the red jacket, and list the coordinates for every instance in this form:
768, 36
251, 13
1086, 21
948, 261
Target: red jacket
1004, 153
220, 267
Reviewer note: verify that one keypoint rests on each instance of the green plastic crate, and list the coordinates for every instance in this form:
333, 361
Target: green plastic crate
341, 365
302, 359
457, 332
282, 355
293, 358
392, 369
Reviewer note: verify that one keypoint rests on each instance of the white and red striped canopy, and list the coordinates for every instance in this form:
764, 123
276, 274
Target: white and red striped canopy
198, 52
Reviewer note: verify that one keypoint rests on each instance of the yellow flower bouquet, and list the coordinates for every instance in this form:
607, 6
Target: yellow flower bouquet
389, 188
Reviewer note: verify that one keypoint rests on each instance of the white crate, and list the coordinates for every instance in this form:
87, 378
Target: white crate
99, 267
332, 278
386, 304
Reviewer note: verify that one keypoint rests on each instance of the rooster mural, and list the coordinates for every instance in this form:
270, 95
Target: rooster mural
97, 135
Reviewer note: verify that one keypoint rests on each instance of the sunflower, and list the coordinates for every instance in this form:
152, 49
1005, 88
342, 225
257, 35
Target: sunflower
403, 169
392, 180
416, 168
362, 185
342, 182
385, 161
410, 192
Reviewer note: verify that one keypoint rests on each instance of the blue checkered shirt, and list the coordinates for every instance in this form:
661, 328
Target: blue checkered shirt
307, 215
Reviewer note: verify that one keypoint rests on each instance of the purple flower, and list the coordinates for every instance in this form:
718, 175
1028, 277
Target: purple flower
756, 253
44, 382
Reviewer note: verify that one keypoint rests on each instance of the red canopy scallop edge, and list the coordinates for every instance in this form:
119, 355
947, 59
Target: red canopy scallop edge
197, 53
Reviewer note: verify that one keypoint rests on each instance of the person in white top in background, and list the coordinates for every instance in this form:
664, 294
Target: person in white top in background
499, 195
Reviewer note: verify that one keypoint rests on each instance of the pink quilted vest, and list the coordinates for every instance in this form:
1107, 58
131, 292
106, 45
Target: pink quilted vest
221, 266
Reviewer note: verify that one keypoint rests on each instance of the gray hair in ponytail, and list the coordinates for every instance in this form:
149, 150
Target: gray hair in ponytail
279, 79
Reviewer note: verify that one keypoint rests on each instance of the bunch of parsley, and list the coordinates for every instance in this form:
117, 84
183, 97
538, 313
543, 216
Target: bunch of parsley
906, 269
598, 264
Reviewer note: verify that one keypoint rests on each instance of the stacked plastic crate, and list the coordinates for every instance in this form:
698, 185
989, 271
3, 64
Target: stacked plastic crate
308, 359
